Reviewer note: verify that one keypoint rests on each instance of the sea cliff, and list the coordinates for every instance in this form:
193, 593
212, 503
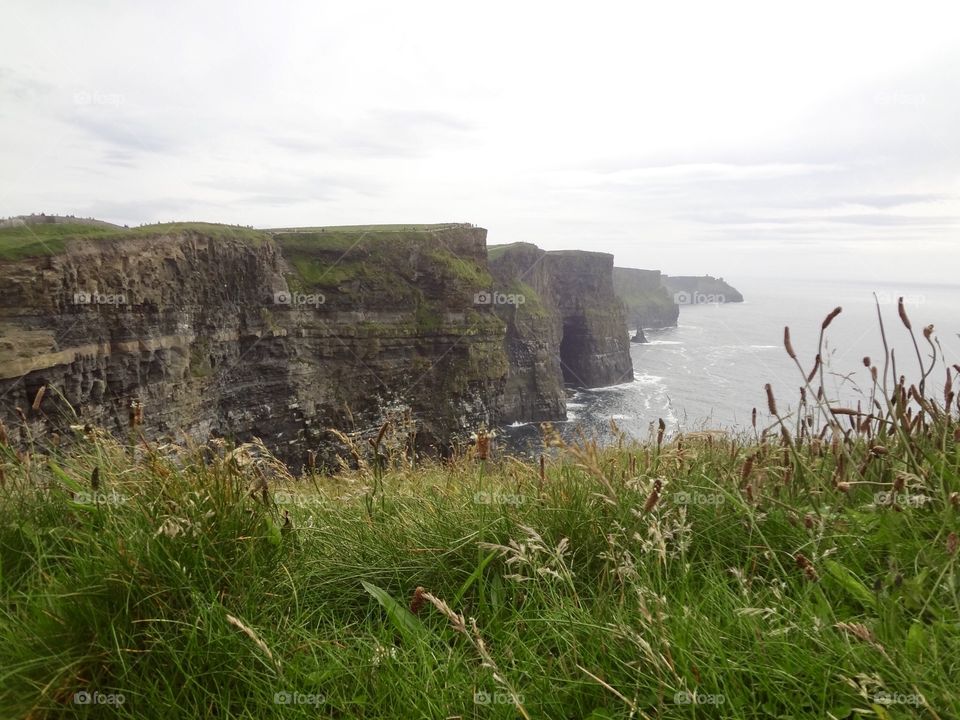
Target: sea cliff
220, 331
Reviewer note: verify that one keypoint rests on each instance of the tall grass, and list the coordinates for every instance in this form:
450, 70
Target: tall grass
809, 570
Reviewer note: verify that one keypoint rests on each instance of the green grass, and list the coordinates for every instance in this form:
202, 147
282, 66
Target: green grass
496, 251
381, 257
761, 575
37, 240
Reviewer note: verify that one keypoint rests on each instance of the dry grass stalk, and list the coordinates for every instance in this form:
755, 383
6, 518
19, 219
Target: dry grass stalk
458, 623
237, 623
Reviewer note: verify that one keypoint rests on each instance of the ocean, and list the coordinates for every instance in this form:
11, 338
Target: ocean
709, 372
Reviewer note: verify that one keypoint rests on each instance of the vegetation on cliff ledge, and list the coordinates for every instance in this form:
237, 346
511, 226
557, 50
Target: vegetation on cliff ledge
808, 570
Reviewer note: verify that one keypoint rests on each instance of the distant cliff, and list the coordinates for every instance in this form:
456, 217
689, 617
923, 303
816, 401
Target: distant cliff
226, 331
649, 304
693, 290
571, 327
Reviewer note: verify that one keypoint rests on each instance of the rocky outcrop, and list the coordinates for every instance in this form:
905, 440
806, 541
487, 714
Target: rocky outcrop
569, 329
204, 330
649, 304
694, 290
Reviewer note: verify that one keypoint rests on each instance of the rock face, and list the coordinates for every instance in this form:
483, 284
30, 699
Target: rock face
649, 304
222, 331
570, 329
276, 337
693, 290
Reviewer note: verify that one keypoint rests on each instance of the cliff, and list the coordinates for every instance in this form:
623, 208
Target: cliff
692, 290
649, 304
230, 332
570, 328
227, 331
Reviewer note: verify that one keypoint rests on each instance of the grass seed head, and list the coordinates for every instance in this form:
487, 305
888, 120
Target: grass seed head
771, 401
901, 310
829, 318
787, 344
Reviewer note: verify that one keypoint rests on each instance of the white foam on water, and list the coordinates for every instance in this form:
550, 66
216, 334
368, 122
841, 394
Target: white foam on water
647, 379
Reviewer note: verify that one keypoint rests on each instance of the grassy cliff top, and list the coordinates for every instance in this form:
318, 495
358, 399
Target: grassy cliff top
36, 239
497, 251
39, 239
427, 227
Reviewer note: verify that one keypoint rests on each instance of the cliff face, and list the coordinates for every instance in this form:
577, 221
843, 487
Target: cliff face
649, 304
693, 290
222, 331
571, 328
279, 338
534, 383
595, 348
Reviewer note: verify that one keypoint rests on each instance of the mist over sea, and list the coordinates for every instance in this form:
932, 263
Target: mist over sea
710, 371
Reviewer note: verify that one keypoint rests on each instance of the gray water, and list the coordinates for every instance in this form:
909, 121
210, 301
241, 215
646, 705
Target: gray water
709, 372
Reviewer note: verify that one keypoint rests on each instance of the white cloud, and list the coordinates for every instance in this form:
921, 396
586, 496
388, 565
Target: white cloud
766, 137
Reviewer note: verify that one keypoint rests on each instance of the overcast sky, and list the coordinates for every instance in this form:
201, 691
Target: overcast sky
737, 139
